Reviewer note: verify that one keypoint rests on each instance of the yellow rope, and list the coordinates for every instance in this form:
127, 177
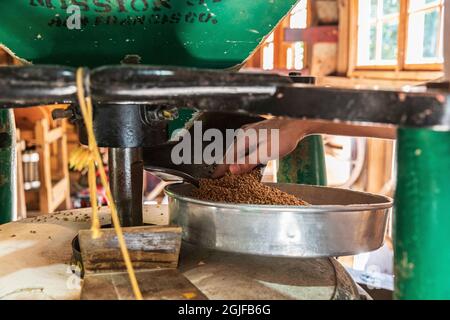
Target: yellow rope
95, 228
86, 110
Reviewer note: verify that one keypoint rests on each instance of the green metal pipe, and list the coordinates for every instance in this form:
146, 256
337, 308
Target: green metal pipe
422, 215
7, 167
306, 164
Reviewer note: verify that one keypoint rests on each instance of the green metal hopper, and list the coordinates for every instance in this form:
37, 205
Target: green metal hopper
191, 33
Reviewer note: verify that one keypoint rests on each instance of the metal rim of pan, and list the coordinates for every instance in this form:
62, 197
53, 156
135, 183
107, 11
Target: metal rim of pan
383, 202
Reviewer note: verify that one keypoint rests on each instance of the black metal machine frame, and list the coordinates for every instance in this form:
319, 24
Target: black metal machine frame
220, 91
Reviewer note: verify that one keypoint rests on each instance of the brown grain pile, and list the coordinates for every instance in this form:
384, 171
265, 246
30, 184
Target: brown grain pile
245, 189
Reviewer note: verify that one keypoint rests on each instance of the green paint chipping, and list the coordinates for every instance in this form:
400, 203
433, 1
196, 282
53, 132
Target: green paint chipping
422, 215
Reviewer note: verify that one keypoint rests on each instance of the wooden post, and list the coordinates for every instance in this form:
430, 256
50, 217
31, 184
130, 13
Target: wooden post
280, 47
379, 164
64, 165
344, 37
43, 148
447, 40
21, 204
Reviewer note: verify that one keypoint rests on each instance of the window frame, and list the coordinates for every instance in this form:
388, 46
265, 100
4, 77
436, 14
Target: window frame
400, 71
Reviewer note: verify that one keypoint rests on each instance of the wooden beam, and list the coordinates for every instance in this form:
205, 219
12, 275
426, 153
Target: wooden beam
344, 37
59, 191
55, 134
43, 148
379, 164
21, 203
353, 82
312, 35
5, 58
397, 75
352, 37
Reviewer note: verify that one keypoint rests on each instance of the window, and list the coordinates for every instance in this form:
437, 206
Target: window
279, 55
425, 25
268, 53
295, 53
400, 34
378, 22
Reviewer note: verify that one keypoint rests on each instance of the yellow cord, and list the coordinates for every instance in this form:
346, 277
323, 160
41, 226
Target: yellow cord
95, 228
86, 110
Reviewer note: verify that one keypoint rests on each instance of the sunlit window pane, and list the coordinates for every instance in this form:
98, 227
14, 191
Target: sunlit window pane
373, 43
373, 8
431, 29
367, 11
299, 15
289, 58
425, 34
378, 32
391, 6
366, 44
268, 53
389, 41
299, 54
415, 5
295, 53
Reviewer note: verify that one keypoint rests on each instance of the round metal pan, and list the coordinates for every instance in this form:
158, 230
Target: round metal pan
338, 222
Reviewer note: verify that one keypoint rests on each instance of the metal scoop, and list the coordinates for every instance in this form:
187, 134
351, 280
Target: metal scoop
172, 175
177, 176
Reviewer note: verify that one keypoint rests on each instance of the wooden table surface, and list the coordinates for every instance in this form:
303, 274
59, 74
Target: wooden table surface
35, 253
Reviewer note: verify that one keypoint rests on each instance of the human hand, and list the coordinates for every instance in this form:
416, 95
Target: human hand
275, 138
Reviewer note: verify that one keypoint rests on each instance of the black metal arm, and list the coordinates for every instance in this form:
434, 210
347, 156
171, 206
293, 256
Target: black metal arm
223, 91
